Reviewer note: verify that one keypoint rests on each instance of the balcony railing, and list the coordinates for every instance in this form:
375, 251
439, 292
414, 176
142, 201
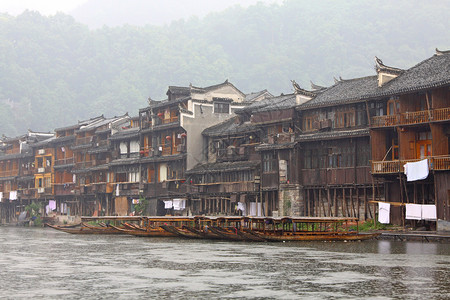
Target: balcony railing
437, 163
84, 164
64, 161
170, 120
83, 140
410, 118
9, 173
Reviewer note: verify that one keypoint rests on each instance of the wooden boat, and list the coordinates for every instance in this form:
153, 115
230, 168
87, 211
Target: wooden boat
145, 233
306, 229
228, 233
86, 230
204, 233
181, 231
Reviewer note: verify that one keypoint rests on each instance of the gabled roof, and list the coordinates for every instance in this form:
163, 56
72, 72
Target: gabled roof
101, 122
213, 87
343, 91
179, 90
229, 127
253, 96
430, 73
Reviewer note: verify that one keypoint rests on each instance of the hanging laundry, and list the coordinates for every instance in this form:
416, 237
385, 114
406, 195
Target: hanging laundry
179, 204
384, 210
168, 204
241, 207
117, 190
1, 195
52, 204
429, 212
416, 170
13, 195
413, 212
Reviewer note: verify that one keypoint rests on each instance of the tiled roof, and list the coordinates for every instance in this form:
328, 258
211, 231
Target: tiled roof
274, 103
343, 91
229, 127
330, 135
252, 96
430, 73
265, 147
223, 167
125, 134
179, 90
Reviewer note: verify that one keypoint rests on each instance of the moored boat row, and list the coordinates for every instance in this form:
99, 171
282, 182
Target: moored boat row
235, 228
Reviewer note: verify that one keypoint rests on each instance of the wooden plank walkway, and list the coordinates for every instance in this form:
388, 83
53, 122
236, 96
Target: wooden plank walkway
424, 236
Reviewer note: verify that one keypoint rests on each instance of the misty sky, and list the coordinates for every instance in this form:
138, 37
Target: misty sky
50, 7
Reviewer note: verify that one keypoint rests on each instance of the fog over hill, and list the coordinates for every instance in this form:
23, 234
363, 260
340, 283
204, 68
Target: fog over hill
55, 70
97, 13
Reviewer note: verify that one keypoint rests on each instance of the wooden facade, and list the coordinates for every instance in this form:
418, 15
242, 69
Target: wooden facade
330, 152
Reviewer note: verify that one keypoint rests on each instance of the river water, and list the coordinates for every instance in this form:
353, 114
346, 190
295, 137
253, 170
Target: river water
45, 263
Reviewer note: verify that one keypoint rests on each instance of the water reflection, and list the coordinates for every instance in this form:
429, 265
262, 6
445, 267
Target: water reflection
51, 264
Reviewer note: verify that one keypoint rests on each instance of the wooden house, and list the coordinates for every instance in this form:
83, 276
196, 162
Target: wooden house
17, 173
410, 122
229, 177
334, 147
171, 138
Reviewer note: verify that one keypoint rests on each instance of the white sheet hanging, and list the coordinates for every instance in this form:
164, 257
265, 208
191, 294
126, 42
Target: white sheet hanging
384, 210
168, 204
413, 212
179, 204
13, 195
416, 170
429, 212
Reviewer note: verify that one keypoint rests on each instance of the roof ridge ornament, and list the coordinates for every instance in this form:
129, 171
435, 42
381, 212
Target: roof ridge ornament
442, 52
381, 67
316, 87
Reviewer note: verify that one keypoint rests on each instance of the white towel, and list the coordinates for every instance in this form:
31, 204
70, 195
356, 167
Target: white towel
52, 204
413, 212
117, 190
384, 210
1, 195
179, 204
429, 212
416, 170
168, 204
13, 195
252, 209
241, 206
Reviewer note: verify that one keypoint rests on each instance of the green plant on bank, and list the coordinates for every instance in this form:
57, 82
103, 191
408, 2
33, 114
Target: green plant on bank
370, 225
141, 207
33, 210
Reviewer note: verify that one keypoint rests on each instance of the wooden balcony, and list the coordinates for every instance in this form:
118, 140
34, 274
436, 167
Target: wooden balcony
233, 154
84, 164
83, 140
62, 189
9, 173
336, 176
170, 120
412, 118
437, 163
64, 161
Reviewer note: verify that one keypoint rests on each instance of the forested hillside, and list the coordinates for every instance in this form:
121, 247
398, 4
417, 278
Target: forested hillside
55, 71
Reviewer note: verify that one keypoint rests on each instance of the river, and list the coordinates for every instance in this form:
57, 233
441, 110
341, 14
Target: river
45, 263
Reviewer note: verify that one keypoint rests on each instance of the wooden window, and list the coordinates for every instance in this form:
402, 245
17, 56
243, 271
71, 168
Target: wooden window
308, 123
221, 108
308, 164
269, 162
345, 119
